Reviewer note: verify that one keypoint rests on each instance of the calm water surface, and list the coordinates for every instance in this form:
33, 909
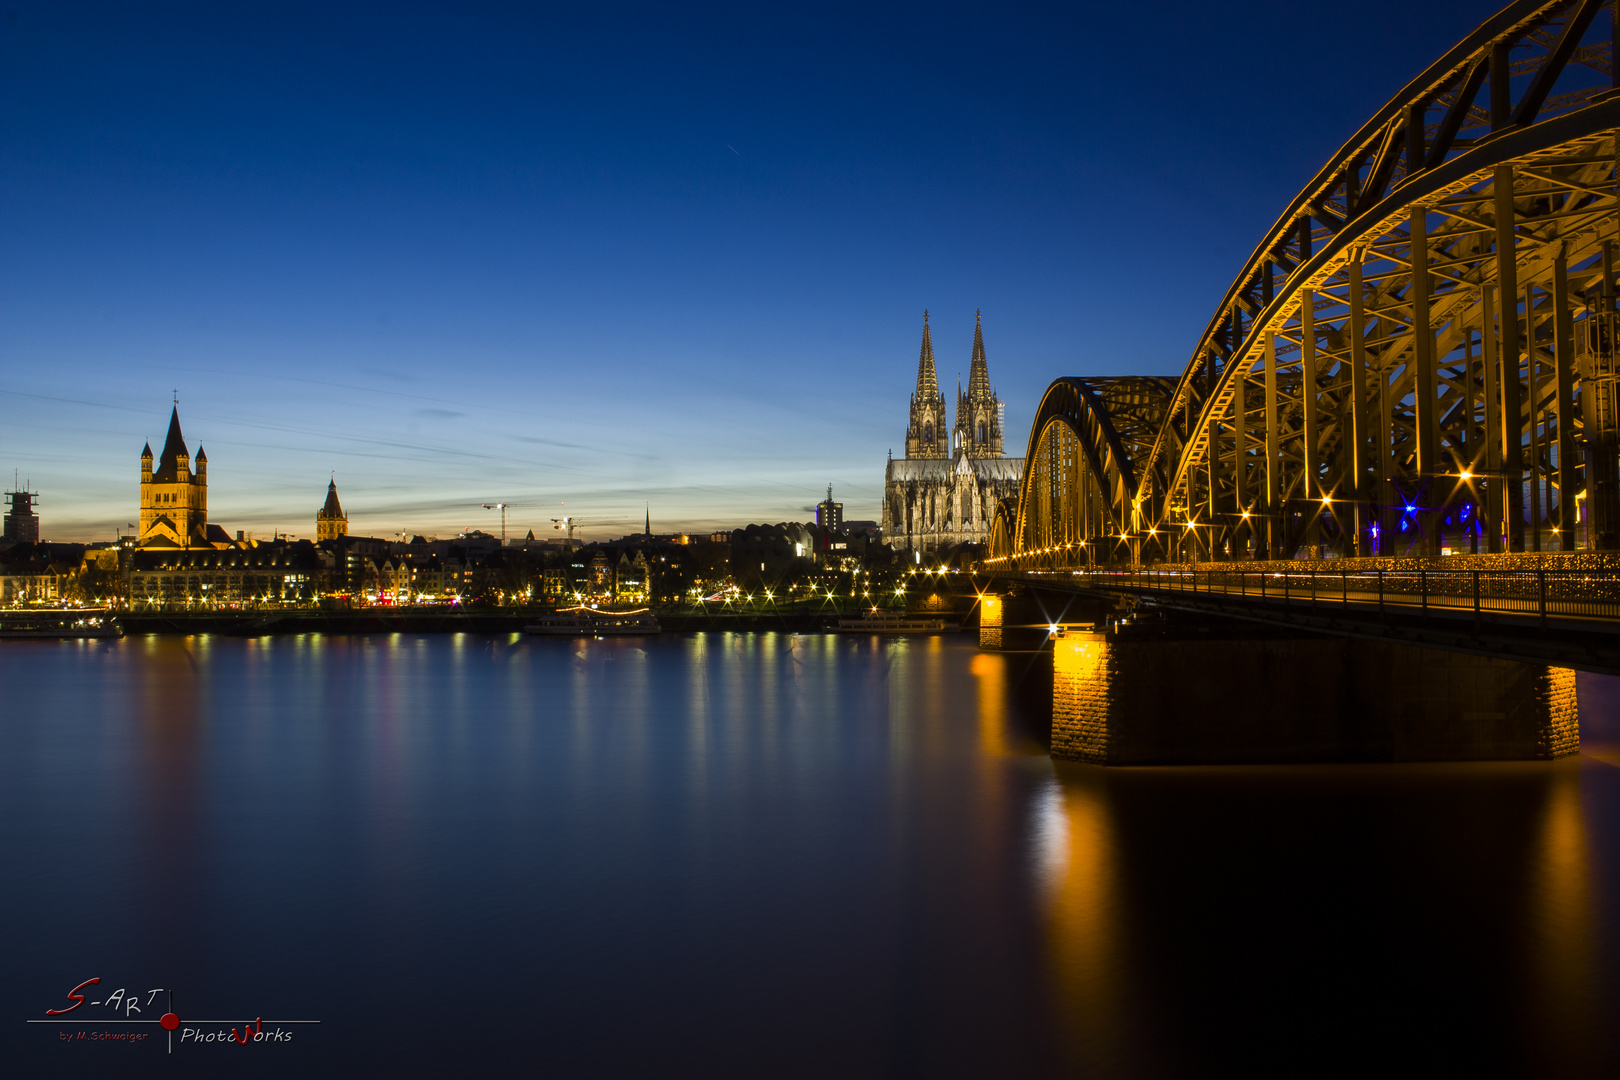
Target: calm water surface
757, 855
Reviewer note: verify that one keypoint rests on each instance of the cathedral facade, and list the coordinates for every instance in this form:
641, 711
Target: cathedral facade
945, 490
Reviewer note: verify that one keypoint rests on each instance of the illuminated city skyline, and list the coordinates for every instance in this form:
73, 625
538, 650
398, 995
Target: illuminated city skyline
622, 261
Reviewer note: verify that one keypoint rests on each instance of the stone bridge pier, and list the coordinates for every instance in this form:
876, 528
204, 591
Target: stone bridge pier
1155, 688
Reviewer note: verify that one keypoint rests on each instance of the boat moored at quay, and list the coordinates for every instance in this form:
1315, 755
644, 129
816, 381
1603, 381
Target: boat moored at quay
896, 622
60, 624
594, 622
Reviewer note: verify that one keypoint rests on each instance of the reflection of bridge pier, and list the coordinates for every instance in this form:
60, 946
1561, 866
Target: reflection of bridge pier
1233, 921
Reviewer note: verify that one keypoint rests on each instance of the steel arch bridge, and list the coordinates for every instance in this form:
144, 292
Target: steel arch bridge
1420, 352
1075, 498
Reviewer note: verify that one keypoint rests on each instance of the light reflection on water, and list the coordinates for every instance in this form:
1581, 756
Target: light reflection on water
757, 854
1331, 914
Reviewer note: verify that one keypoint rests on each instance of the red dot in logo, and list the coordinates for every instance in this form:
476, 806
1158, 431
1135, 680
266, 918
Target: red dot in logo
169, 1021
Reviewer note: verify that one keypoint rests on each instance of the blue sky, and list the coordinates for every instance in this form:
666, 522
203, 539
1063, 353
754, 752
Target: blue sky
612, 256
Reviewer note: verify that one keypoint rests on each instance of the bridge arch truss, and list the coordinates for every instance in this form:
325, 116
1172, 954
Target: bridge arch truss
1075, 499
1420, 353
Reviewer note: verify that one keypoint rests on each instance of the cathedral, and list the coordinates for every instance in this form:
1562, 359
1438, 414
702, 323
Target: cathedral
945, 490
174, 497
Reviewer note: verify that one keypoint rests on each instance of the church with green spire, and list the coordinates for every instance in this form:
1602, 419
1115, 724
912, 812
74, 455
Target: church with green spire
945, 490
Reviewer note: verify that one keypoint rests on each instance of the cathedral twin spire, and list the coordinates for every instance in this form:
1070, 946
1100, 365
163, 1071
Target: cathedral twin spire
979, 375
927, 435
978, 412
927, 381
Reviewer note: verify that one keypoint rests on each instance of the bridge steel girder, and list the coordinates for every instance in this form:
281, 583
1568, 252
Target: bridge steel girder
1426, 339
1075, 496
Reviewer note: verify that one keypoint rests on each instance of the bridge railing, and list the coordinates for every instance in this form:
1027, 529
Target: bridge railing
1521, 594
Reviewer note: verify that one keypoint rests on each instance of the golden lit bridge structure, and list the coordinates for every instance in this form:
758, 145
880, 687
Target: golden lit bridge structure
1418, 360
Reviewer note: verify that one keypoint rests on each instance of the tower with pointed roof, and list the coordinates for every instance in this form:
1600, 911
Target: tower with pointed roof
331, 523
174, 497
945, 491
978, 411
927, 436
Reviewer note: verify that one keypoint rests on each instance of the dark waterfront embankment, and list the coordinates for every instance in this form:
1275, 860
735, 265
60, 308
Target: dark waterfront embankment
450, 621
356, 621
784, 618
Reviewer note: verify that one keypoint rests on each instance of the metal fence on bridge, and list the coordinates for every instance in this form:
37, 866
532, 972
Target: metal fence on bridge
1520, 594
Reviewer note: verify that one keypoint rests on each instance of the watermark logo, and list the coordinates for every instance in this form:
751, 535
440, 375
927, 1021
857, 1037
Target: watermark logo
127, 1016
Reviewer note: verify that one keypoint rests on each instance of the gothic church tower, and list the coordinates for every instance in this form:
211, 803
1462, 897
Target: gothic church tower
978, 412
927, 437
174, 499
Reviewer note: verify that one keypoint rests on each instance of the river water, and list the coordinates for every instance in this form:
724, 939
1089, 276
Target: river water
754, 855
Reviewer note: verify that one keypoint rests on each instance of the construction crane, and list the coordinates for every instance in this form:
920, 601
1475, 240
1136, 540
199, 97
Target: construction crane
565, 523
502, 508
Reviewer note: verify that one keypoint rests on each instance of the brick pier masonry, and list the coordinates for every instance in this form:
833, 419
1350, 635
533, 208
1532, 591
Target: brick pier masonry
1202, 693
